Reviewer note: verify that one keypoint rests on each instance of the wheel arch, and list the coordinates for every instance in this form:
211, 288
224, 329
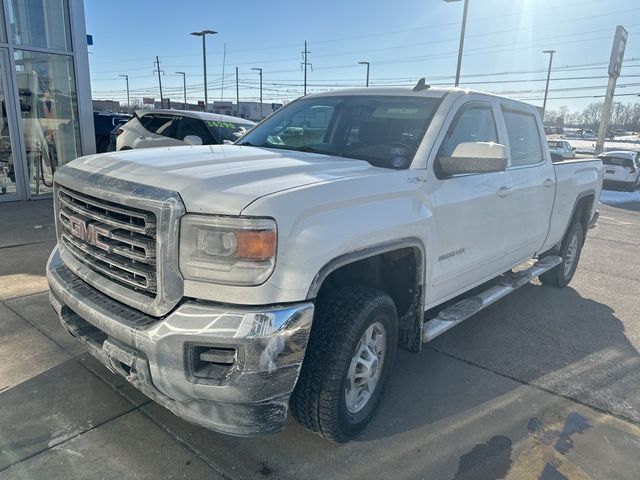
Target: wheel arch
378, 266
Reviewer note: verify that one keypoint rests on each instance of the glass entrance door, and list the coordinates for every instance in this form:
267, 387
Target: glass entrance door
11, 171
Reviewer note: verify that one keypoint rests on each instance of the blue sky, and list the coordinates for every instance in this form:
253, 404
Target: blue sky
404, 40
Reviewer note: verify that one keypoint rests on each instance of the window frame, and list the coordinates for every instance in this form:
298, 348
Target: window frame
453, 123
520, 111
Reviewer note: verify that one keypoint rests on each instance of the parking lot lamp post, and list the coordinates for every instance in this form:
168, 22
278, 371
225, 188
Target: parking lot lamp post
260, 73
203, 34
126, 77
367, 64
546, 89
461, 47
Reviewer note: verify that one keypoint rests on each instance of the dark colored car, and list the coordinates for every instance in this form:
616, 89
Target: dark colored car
105, 123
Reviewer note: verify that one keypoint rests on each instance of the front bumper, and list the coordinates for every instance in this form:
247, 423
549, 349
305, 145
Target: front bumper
246, 396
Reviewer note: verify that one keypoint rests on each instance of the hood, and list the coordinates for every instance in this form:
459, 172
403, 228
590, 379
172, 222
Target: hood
222, 179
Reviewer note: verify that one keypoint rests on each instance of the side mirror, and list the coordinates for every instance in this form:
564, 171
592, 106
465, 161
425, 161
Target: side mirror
474, 157
192, 140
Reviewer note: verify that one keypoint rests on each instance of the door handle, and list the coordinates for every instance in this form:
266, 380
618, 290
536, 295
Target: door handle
504, 192
549, 182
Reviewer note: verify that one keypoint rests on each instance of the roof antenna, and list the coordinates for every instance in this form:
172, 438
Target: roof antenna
421, 85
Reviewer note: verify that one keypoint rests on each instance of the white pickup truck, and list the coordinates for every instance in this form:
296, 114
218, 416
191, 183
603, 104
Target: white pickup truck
231, 282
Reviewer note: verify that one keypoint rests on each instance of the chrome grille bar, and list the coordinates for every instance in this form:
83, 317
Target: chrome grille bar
139, 221
125, 272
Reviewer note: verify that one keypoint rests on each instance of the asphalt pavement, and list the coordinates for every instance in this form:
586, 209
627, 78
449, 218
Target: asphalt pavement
544, 384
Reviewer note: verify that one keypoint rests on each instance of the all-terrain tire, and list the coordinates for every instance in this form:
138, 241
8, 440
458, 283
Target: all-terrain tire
341, 319
570, 250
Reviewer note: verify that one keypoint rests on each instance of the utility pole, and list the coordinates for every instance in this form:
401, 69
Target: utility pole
126, 77
237, 94
305, 62
203, 34
367, 64
157, 64
462, 30
224, 59
260, 73
184, 87
615, 65
546, 89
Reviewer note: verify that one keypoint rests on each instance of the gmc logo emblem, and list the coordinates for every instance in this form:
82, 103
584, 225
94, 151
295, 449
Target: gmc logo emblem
91, 233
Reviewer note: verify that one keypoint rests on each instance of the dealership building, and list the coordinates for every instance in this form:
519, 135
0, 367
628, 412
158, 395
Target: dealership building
45, 92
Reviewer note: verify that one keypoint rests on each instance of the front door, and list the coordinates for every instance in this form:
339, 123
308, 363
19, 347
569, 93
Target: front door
469, 210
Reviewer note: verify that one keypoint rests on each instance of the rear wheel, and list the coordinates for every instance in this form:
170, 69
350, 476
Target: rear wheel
347, 363
570, 250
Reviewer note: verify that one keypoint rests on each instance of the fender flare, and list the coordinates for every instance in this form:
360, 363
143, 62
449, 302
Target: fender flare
371, 251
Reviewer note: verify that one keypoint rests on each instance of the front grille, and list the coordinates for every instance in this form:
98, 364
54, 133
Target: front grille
115, 241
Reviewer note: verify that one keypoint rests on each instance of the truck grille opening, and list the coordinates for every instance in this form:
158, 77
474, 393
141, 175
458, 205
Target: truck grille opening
115, 241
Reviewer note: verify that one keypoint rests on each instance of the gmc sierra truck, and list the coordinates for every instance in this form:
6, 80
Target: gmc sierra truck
231, 283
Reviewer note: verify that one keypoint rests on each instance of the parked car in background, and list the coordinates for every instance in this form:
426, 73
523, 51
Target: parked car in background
621, 169
104, 123
561, 149
167, 128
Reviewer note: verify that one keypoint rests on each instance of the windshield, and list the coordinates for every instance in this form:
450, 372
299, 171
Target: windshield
555, 144
383, 130
224, 130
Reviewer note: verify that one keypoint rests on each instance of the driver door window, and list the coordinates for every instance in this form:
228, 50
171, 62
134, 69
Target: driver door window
473, 123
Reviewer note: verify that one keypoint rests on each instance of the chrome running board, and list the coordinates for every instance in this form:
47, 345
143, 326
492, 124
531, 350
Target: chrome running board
465, 308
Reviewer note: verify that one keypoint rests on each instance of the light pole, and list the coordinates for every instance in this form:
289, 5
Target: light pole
546, 89
126, 77
184, 87
367, 64
260, 73
461, 47
203, 34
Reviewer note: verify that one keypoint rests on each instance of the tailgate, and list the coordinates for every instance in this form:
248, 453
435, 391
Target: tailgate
616, 172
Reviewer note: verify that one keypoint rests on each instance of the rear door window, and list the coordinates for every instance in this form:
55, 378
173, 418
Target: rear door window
160, 124
193, 126
524, 138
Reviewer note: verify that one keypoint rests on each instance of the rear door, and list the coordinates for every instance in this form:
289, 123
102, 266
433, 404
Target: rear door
533, 180
469, 208
159, 131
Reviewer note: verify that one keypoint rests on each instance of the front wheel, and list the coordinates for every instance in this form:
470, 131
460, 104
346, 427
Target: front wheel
347, 363
570, 250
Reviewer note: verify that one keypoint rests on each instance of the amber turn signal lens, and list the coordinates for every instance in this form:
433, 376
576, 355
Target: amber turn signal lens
256, 245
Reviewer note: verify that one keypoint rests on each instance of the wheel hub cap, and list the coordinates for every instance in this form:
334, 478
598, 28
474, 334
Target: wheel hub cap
366, 367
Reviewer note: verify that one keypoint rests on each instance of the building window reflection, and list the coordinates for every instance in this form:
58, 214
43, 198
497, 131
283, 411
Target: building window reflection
49, 111
40, 23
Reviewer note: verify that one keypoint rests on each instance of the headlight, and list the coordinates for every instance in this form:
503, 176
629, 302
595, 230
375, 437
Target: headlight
227, 250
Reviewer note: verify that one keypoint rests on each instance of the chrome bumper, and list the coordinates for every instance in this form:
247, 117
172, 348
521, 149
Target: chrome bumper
246, 395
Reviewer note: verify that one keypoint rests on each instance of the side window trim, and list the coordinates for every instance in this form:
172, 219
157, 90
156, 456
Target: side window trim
514, 109
470, 103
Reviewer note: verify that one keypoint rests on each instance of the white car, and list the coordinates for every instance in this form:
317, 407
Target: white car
621, 169
168, 128
561, 148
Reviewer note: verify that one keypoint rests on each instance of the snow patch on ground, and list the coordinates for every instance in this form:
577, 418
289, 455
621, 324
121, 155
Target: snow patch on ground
614, 197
